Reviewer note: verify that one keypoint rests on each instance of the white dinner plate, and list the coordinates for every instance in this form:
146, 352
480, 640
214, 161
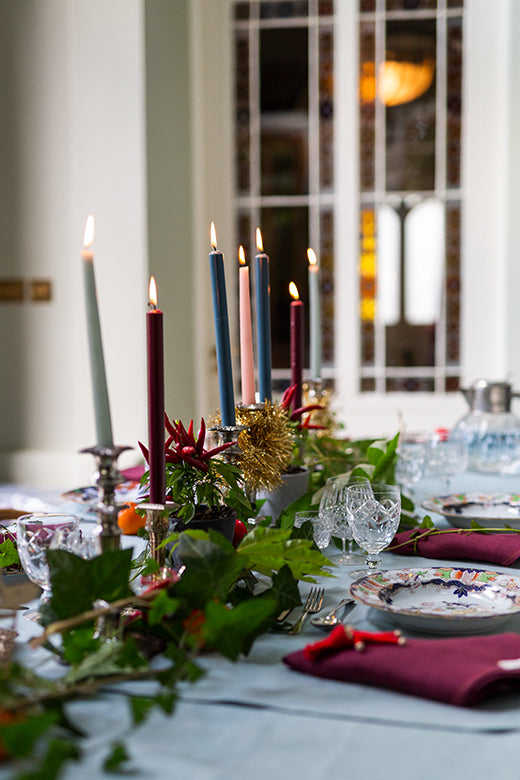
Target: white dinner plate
494, 510
442, 599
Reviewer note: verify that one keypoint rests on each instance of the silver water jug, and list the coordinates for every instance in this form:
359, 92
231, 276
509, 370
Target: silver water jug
490, 429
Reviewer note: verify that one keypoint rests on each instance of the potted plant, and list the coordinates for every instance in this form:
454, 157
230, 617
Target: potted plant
204, 491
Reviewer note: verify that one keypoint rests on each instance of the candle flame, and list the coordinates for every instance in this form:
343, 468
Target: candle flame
311, 254
241, 255
259, 242
152, 292
88, 237
213, 236
293, 291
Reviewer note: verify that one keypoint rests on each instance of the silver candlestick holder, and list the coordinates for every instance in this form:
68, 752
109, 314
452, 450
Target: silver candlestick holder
107, 478
226, 434
157, 526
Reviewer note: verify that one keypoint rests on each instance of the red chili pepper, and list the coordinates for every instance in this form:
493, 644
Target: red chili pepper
288, 397
145, 452
304, 409
202, 435
210, 453
169, 427
189, 450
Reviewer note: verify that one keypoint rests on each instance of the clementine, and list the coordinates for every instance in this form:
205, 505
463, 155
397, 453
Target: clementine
129, 520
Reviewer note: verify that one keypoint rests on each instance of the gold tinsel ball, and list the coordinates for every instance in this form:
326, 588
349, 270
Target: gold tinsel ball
265, 445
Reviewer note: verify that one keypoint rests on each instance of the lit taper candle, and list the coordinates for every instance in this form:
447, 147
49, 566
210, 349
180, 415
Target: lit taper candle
263, 320
97, 362
314, 315
296, 344
220, 313
247, 365
155, 375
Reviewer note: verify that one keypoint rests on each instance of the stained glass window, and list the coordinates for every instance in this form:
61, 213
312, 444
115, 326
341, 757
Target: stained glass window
410, 199
284, 154
410, 94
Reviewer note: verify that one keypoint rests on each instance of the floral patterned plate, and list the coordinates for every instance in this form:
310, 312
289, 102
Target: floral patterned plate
494, 510
128, 490
442, 599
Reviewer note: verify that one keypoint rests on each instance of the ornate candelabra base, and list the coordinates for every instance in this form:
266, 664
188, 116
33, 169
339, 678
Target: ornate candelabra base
107, 479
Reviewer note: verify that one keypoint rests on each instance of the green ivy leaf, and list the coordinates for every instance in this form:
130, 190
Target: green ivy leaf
212, 568
58, 752
285, 587
8, 554
111, 658
141, 707
382, 455
407, 504
117, 758
232, 631
475, 526
79, 643
427, 522
162, 606
269, 549
19, 737
77, 583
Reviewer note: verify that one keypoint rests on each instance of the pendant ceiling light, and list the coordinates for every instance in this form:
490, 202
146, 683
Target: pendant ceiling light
398, 81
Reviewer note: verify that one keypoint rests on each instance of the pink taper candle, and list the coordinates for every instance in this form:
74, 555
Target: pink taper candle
247, 365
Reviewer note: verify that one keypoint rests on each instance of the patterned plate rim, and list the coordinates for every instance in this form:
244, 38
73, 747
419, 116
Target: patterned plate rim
431, 572
443, 504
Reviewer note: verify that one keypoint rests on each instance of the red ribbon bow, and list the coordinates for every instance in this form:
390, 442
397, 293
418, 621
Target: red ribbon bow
342, 637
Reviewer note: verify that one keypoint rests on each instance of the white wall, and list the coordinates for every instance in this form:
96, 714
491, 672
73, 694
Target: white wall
72, 143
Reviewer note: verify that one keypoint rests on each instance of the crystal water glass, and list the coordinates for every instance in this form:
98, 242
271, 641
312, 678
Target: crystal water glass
412, 452
335, 512
375, 514
38, 533
321, 527
446, 457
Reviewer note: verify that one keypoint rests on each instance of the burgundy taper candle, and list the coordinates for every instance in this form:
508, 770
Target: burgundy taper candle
155, 369
296, 344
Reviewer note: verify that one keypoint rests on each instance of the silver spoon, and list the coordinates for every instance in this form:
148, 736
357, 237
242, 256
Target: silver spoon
331, 619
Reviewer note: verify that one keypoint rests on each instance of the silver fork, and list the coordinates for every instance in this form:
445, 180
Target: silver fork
313, 604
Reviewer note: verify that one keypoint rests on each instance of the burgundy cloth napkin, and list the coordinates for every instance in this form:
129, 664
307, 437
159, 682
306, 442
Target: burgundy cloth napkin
500, 548
459, 670
134, 473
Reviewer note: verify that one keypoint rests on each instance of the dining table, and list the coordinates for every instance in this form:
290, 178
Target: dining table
257, 718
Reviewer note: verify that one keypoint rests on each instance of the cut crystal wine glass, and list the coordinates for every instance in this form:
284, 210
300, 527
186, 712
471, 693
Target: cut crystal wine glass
335, 512
375, 513
36, 533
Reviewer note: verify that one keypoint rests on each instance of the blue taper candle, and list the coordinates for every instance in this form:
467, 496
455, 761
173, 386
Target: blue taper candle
263, 320
220, 313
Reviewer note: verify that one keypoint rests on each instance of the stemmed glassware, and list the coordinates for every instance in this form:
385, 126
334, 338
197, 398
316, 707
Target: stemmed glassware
446, 456
335, 512
320, 527
412, 453
36, 534
375, 511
